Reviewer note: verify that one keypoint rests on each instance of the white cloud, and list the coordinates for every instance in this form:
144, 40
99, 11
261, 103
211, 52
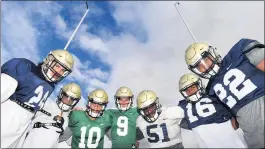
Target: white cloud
98, 73
159, 63
93, 44
156, 64
19, 37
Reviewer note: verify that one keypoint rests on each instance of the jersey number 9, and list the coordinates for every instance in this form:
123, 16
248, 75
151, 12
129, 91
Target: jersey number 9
122, 123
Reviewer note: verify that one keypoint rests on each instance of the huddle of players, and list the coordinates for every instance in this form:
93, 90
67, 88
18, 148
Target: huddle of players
235, 88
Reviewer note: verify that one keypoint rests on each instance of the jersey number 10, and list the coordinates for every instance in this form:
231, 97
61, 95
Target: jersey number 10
90, 137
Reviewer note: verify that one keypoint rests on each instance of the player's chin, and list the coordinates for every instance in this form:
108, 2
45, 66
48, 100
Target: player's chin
124, 106
95, 111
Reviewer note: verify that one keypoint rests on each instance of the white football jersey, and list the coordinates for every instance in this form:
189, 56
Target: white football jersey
42, 137
165, 131
227, 137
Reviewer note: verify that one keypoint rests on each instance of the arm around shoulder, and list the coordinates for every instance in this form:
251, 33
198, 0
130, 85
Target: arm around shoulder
175, 112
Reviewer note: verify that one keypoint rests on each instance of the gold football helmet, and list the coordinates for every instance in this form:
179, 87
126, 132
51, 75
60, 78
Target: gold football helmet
203, 60
97, 103
57, 65
121, 93
190, 87
69, 96
148, 105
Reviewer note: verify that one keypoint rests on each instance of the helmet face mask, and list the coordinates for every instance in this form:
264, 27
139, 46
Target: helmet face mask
203, 60
124, 98
97, 103
151, 112
191, 87
54, 70
193, 92
66, 102
206, 66
68, 97
148, 105
124, 103
95, 112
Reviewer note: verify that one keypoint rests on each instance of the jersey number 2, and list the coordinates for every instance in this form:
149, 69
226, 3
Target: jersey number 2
238, 86
90, 137
154, 137
39, 97
122, 123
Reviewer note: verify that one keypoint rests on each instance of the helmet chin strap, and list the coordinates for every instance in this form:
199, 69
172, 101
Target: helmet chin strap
150, 119
124, 108
215, 70
93, 114
49, 76
63, 106
195, 97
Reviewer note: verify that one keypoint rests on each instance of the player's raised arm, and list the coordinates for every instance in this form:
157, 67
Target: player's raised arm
66, 135
254, 51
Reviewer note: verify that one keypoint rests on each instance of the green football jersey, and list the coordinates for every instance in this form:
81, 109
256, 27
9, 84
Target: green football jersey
87, 133
123, 128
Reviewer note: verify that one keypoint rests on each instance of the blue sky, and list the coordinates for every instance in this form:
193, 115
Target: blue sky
139, 44
136, 44
99, 22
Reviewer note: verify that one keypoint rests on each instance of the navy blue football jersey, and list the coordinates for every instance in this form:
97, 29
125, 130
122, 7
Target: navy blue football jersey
32, 86
208, 110
238, 82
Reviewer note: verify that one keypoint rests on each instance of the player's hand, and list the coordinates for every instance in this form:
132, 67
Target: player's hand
234, 123
78, 109
137, 143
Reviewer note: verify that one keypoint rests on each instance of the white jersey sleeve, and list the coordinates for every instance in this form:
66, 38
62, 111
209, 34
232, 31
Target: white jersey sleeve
42, 137
161, 133
8, 86
174, 112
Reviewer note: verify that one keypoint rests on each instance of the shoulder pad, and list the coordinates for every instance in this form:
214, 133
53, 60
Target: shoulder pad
183, 101
249, 44
17, 67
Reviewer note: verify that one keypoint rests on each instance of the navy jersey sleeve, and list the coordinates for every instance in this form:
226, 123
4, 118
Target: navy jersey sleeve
184, 124
16, 67
242, 47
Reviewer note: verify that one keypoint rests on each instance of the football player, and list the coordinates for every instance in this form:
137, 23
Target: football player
158, 125
53, 125
206, 116
88, 127
123, 130
25, 88
238, 81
